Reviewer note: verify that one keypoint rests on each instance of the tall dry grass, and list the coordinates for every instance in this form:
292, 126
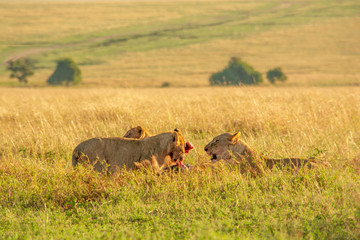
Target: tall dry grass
42, 196
298, 119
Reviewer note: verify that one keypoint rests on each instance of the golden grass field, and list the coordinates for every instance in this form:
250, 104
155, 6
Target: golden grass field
42, 196
126, 50
280, 122
183, 42
311, 54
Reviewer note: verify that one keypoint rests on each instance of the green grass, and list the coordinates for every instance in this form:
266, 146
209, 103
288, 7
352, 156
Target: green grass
97, 36
214, 205
43, 197
143, 44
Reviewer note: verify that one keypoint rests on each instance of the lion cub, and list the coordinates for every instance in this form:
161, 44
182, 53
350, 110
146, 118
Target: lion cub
137, 132
231, 148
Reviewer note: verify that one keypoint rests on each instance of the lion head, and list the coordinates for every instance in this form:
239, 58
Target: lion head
220, 147
137, 132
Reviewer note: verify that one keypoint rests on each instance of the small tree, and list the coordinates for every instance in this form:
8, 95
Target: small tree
21, 69
236, 73
66, 72
165, 84
276, 74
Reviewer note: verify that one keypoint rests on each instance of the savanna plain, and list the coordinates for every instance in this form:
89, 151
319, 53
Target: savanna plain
126, 50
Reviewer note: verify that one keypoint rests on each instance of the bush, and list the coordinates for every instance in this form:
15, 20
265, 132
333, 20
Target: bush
236, 73
165, 84
66, 72
21, 69
276, 74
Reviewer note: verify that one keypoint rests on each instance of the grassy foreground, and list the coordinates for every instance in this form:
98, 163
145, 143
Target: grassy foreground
42, 197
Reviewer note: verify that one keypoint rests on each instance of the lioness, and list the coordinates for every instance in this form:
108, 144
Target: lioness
137, 132
223, 145
109, 154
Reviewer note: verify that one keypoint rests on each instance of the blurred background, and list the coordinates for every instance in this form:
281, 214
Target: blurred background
181, 43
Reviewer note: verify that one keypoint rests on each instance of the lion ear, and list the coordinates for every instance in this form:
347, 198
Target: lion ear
175, 136
142, 133
139, 129
235, 138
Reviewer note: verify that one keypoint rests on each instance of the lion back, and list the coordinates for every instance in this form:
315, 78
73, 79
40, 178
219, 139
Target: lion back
88, 152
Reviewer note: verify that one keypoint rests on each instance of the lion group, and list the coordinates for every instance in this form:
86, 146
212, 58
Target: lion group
138, 149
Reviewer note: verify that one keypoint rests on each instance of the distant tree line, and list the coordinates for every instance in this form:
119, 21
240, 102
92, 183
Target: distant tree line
66, 73
239, 73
